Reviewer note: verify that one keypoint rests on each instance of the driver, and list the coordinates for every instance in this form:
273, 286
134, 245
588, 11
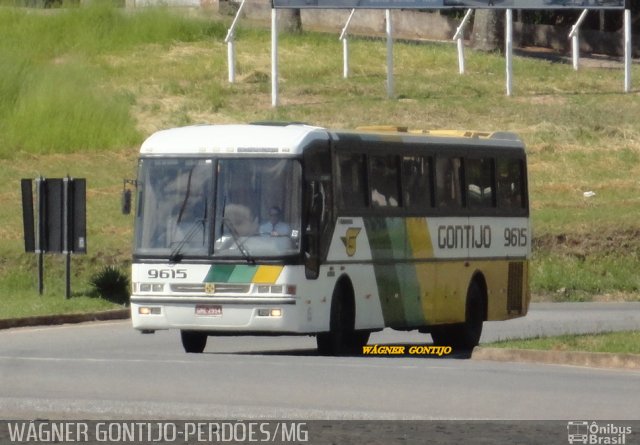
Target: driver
275, 226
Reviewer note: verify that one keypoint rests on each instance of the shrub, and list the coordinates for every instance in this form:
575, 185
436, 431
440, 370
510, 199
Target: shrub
111, 284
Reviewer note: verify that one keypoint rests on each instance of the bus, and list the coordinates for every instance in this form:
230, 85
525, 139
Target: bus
379, 227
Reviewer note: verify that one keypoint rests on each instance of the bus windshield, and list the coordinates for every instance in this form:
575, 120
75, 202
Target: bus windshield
228, 208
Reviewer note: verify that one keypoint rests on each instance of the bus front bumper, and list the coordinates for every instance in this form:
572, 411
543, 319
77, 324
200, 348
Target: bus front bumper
219, 314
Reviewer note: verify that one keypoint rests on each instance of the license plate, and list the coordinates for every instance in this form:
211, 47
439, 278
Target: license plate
209, 310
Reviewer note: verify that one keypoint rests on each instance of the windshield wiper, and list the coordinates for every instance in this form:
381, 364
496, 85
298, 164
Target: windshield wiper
236, 239
176, 254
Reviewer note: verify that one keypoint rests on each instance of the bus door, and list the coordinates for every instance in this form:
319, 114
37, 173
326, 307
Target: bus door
318, 207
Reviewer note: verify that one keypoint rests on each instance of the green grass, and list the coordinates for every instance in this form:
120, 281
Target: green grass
50, 74
613, 342
81, 87
571, 278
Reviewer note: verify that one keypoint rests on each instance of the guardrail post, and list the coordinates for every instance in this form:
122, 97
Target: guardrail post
274, 57
389, 31
459, 38
345, 46
574, 35
230, 41
509, 50
627, 50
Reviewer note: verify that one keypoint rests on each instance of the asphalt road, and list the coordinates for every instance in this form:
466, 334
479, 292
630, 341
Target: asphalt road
108, 370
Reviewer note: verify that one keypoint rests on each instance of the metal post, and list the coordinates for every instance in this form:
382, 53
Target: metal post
627, 50
231, 57
229, 40
40, 232
389, 29
345, 58
459, 38
274, 57
509, 50
66, 249
574, 35
345, 46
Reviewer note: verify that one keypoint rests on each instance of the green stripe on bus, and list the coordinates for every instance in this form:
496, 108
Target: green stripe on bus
243, 274
406, 273
412, 294
219, 273
386, 274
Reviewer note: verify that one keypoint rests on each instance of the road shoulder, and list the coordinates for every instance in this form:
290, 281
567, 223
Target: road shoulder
570, 358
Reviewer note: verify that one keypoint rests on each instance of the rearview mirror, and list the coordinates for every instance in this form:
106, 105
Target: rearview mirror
311, 266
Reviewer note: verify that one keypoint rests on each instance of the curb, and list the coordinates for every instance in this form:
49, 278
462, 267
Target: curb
571, 358
49, 320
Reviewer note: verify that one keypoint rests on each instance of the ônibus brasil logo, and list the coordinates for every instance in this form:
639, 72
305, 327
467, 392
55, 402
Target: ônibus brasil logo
597, 434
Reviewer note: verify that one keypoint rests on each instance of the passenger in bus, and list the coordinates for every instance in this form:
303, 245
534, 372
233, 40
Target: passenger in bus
380, 200
239, 220
275, 226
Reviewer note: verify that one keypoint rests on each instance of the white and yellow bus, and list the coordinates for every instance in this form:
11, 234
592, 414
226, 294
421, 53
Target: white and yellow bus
381, 227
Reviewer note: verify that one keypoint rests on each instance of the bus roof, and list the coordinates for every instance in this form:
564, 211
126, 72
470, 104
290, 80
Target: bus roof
233, 139
291, 139
465, 134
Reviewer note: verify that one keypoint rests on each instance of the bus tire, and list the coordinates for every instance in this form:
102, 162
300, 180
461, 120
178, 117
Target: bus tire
465, 335
342, 338
193, 341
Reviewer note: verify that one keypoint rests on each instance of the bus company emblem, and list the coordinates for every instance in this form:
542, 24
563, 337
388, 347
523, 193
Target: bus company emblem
210, 288
349, 240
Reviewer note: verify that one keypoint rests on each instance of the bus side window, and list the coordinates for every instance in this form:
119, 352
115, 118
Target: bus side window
416, 177
384, 181
510, 178
351, 177
448, 183
479, 176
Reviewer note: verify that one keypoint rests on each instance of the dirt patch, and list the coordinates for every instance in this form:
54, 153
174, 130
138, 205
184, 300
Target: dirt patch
618, 242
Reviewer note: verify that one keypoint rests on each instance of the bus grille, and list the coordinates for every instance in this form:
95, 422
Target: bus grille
514, 288
219, 288
187, 288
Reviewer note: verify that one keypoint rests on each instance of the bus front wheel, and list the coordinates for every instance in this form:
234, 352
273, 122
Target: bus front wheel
464, 335
193, 342
342, 338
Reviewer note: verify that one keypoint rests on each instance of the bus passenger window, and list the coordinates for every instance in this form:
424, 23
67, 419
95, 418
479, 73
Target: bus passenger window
416, 177
448, 183
351, 177
479, 175
510, 179
384, 181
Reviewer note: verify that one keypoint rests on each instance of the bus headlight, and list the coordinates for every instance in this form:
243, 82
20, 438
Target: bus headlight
286, 289
150, 310
275, 312
148, 287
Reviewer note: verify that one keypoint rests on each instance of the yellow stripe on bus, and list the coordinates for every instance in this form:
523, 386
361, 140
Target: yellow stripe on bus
267, 274
421, 248
419, 238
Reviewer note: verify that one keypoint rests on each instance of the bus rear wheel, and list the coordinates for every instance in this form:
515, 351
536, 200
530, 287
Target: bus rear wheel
465, 336
342, 338
193, 341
